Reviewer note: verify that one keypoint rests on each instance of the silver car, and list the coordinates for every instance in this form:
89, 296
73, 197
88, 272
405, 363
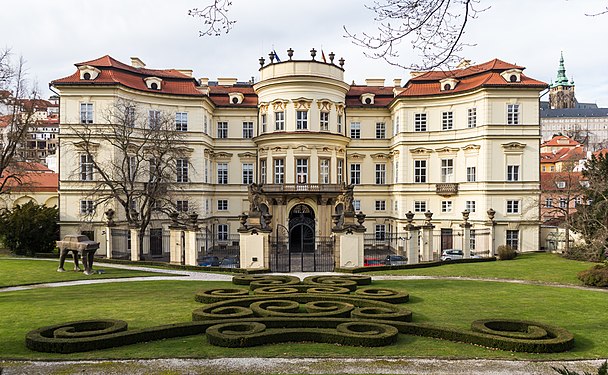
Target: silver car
452, 254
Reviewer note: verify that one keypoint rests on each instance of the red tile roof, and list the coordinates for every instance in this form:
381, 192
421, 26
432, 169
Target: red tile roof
35, 182
563, 155
560, 141
548, 180
219, 95
383, 96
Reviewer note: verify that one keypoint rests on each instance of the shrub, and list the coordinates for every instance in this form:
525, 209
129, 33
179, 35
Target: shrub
591, 252
30, 228
506, 252
596, 276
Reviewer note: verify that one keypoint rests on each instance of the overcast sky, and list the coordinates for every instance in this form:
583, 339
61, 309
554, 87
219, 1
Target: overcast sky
53, 35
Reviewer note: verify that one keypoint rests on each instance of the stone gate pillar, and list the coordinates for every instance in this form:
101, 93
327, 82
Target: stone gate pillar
191, 249
135, 256
109, 225
349, 240
413, 251
427, 237
177, 244
466, 235
492, 223
254, 242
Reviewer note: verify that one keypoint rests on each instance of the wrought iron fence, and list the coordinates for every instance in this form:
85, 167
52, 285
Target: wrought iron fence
286, 258
378, 246
121, 243
448, 238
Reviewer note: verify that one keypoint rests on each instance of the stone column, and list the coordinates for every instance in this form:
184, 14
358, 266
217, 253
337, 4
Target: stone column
254, 242
413, 252
427, 237
350, 240
135, 244
108, 242
492, 223
466, 235
176, 255
191, 250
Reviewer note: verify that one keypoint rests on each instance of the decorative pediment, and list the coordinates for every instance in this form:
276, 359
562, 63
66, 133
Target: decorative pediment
340, 151
471, 148
447, 150
340, 108
302, 103
84, 145
380, 156
263, 108
324, 105
514, 146
420, 150
356, 156
394, 153
184, 149
247, 155
279, 105
221, 155
324, 150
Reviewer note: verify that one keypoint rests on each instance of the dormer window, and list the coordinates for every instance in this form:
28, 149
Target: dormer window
236, 97
448, 84
367, 98
88, 72
153, 83
512, 75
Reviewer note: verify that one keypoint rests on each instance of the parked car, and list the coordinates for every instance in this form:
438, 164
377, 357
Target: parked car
373, 262
230, 262
452, 254
209, 261
395, 260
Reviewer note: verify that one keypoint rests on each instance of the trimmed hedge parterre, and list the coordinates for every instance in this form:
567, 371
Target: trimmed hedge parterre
324, 309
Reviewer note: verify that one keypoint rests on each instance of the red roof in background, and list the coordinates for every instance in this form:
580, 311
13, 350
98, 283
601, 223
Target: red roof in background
548, 180
382, 96
108, 61
560, 141
5, 121
36, 182
603, 151
563, 155
219, 95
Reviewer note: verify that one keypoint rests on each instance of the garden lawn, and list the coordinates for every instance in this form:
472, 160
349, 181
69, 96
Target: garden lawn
541, 267
14, 272
444, 303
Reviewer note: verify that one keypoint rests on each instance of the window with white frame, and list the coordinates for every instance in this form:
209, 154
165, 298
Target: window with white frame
181, 170
470, 206
279, 120
380, 130
472, 117
512, 114
560, 184
340, 170
222, 204
301, 120
357, 204
324, 171
181, 121
472, 239
247, 129
247, 173
339, 123
302, 171
447, 120
86, 167
563, 203
420, 171
154, 119
131, 167
263, 171
206, 174
381, 205
471, 174
446, 206
355, 130
86, 113
549, 202
512, 172
222, 173
205, 129
264, 122
396, 171
447, 170
129, 116
355, 173
181, 206
222, 129
512, 239
87, 207
222, 232
419, 206
324, 121
279, 171
380, 232
380, 174
396, 126
513, 206
420, 122
396, 206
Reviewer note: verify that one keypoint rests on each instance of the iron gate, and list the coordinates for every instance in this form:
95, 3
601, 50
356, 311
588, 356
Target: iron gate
302, 254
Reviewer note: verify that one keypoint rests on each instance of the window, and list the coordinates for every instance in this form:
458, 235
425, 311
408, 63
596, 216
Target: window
380, 232
222, 232
446, 206
222, 173
324, 171
279, 171
279, 120
206, 170
222, 129
396, 171
264, 122
472, 118
420, 171
86, 167
222, 204
419, 206
560, 184
396, 126
355, 174
470, 206
340, 171
87, 207
471, 174
153, 119
447, 170
131, 167
513, 239
181, 206
355, 130
512, 172
472, 238
447, 120
86, 113
380, 174
380, 130
396, 206
324, 121
513, 207
578, 201
182, 170
302, 171
129, 116
357, 204
263, 171
205, 125
247, 173
548, 202
512, 114
181, 121
339, 123
380, 205
420, 122
247, 130
301, 120
563, 203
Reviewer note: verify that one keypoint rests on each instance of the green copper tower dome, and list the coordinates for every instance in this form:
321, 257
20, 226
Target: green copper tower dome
562, 80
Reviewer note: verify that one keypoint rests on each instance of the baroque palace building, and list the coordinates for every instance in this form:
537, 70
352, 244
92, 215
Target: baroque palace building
445, 142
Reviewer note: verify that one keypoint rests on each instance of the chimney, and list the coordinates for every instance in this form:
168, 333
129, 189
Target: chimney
137, 63
186, 72
377, 82
226, 81
397, 82
203, 81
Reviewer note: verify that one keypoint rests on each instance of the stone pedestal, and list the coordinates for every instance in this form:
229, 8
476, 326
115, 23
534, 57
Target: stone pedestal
135, 245
350, 249
413, 251
191, 249
176, 245
254, 248
427, 243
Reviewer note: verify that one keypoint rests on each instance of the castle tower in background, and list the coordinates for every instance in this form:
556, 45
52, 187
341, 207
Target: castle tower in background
561, 92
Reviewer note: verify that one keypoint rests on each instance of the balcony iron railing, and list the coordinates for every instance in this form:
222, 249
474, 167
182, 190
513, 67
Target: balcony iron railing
302, 188
447, 189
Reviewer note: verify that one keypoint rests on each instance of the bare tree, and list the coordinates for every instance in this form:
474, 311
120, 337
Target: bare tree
144, 165
17, 107
215, 18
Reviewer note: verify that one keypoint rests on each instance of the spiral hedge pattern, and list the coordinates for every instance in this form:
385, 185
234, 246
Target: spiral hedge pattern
324, 309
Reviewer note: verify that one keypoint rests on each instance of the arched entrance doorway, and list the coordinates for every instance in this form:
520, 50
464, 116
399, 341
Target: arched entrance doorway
301, 229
